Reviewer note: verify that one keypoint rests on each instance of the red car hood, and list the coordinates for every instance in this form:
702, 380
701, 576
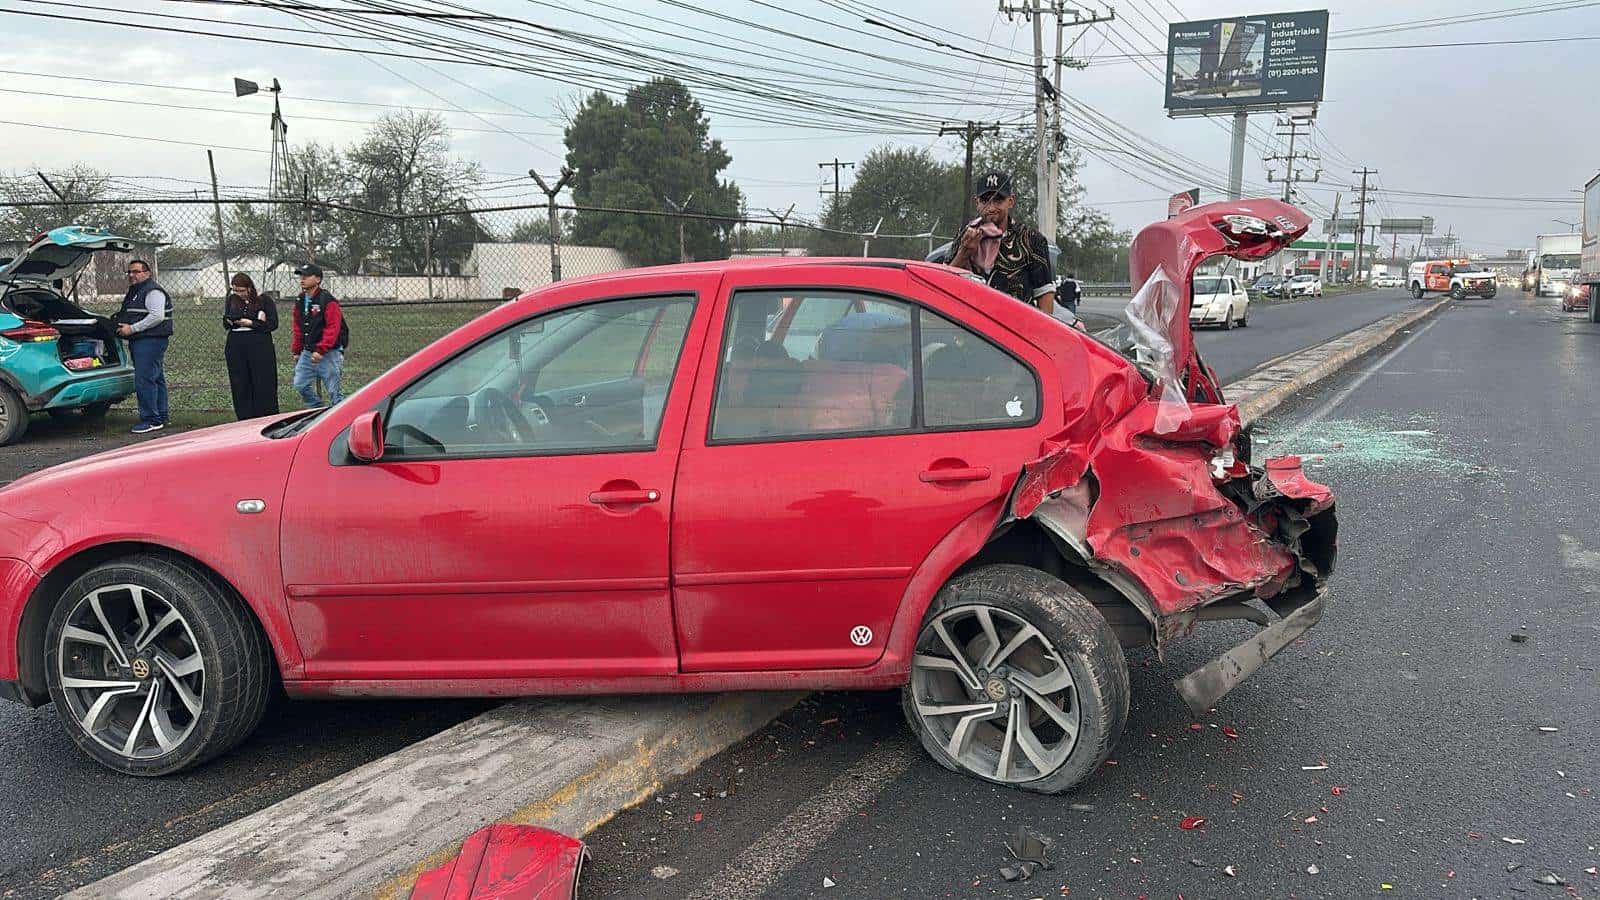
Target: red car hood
203, 441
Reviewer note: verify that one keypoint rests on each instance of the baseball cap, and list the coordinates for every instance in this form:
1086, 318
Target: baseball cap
998, 183
309, 269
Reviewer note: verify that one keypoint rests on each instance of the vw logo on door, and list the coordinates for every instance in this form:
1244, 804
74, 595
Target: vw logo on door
861, 635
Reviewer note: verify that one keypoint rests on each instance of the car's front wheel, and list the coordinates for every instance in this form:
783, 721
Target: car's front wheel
154, 667
1017, 680
13, 415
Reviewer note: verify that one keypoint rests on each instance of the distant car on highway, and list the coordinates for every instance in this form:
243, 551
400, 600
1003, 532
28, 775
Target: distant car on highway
1265, 283
1387, 281
1298, 286
1219, 300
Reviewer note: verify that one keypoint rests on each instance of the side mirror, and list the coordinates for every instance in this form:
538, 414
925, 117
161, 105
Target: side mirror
366, 437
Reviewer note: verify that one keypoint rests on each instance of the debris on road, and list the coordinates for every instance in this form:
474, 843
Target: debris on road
1229, 733
1199, 864
1336, 790
1030, 847
1320, 767
1513, 866
1313, 870
1513, 841
663, 872
1228, 871
1548, 728
1519, 638
1190, 823
1550, 878
522, 861
827, 882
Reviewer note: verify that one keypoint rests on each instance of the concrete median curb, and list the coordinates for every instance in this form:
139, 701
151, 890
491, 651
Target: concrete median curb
569, 764
1265, 389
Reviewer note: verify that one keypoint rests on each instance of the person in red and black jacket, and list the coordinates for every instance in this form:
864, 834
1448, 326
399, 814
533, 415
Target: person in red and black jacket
320, 338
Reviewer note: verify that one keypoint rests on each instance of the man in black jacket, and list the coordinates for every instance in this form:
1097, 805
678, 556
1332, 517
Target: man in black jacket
1020, 263
145, 320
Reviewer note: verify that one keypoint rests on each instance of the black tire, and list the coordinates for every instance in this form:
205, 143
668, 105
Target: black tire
236, 662
1456, 293
1078, 634
1227, 320
13, 415
1416, 290
1244, 320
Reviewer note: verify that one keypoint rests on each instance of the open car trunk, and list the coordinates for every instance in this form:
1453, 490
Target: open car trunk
88, 341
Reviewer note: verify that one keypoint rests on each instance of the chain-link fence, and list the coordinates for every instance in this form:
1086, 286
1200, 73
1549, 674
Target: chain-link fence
405, 278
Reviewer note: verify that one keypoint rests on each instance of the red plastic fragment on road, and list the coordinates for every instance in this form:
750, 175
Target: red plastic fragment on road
1337, 790
508, 862
1229, 733
699, 816
1190, 823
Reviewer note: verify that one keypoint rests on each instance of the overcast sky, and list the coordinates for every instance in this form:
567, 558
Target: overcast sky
1486, 121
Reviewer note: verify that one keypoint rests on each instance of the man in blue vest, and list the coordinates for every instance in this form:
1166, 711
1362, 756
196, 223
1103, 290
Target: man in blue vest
145, 320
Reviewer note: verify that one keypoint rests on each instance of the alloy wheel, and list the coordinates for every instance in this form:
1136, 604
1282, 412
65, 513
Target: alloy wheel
131, 671
995, 694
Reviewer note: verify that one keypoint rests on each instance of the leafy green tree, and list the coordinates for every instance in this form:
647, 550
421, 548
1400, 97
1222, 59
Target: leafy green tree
908, 189
651, 151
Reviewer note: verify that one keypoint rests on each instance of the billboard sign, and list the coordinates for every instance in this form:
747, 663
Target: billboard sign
1265, 61
1339, 226
1423, 225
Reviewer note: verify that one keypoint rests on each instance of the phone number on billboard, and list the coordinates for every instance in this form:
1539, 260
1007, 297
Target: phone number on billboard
1291, 73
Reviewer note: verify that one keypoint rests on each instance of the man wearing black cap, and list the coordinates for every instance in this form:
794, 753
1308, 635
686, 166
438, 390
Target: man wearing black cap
1014, 258
320, 337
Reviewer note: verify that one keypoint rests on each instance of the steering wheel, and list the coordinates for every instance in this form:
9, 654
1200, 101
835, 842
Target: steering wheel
494, 413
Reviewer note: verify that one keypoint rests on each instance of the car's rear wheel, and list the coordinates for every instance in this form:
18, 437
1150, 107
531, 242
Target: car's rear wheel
1416, 291
13, 415
1017, 680
154, 667
1244, 320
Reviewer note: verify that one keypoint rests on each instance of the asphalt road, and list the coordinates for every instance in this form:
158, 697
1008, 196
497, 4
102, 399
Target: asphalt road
1277, 328
1464, 460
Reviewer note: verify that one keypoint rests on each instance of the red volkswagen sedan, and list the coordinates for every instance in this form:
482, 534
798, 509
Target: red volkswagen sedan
794, 473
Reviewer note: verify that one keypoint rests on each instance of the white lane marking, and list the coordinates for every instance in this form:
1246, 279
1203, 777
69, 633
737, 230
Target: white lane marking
791, 841
1344, 393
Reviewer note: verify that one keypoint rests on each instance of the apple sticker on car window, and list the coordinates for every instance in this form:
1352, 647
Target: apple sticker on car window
1014, 407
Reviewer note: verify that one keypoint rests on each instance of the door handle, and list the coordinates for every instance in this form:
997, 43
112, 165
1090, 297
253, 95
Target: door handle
955, 476
622, 498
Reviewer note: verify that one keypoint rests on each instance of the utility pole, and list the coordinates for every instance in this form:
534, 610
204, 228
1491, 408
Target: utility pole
969, 133
1332, 235
1361, 219
1292, 175
555, 220
1050, 221
216, 209
836, 165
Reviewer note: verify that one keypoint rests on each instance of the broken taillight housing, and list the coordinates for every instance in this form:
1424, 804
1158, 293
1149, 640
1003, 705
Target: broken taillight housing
31, 332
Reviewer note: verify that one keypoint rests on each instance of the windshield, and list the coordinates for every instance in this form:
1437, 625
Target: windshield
1561, 260
1209, 286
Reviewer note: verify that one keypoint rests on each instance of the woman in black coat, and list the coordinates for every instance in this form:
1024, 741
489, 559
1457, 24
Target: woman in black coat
252, 362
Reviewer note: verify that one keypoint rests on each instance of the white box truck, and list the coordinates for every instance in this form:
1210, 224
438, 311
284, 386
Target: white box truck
1588, 279
1555, 262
